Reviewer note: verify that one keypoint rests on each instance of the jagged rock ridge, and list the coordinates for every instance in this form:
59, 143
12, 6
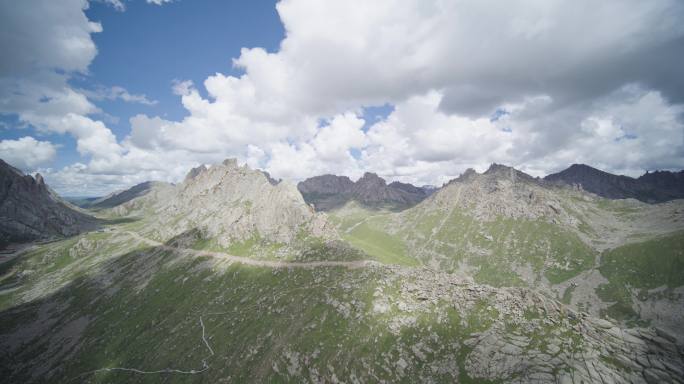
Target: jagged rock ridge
501, 191
328, 192
653, 187
228, 203
30, 210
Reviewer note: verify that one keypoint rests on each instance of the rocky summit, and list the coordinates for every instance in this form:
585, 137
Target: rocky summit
328, 192
30, 210
651, 187
231, 276
228, 204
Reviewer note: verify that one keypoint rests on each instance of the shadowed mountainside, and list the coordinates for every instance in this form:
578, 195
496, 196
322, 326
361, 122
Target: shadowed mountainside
328, 192
652, 187
30, 210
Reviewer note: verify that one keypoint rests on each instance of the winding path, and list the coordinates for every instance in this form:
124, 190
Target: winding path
354, 264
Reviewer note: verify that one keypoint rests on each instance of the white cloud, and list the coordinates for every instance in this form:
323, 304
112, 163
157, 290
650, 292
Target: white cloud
42, 44
116, 4
328, 151
119, 5
158, 2
117, 93
446, 67
27, 153
341, 54
571, 81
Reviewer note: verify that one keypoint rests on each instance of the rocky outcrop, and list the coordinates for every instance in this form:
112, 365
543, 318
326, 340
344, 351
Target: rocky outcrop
229, 203
528, 337
328, 192
654, 187
29, 210
195, 172
501, 191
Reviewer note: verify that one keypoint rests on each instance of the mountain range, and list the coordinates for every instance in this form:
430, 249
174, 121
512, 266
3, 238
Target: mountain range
328, 192
651, 187
232, 276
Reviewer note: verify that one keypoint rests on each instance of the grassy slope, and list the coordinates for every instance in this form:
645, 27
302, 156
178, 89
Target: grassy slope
498, 245
144, 306
641, 267
364, 229
494, 248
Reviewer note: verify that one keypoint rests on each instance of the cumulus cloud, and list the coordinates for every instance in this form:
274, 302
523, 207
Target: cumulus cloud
328, 151
539, 86
27, 153
43, 43
116, 4
480, 56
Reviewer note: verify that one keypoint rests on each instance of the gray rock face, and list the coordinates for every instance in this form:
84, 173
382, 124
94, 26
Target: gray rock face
652, 187
501, 191
328, 192
524, 336
29, 210
228, 203
195, 172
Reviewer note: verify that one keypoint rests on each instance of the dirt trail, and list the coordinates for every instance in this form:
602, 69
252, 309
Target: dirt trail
259, 263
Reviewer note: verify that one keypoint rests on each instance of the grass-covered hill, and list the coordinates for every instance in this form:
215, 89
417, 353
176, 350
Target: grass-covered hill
109, 307
504, 228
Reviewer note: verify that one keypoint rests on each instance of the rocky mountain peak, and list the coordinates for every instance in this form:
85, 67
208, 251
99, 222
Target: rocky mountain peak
317, 188
328, 192
6, 167
651, 187
469, 174
39, 179
229, 203
372, 179
504, 171
271, 179
230, 162
501, 191
583, 167
495, 167
194, 172
29, 210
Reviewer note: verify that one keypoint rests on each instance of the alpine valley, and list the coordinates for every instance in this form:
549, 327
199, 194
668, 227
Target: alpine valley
231, 276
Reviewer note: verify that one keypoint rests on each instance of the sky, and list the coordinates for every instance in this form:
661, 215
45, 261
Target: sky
101, 95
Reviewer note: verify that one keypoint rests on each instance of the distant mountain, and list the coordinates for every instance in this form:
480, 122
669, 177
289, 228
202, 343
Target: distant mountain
652, 187
228, 204
120, 197
328, 192
81, 201
501, 191
30, 210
